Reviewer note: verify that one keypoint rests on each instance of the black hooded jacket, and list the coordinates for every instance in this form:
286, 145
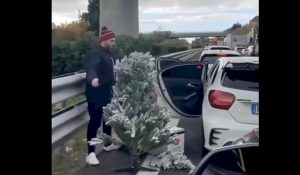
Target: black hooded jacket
99, 63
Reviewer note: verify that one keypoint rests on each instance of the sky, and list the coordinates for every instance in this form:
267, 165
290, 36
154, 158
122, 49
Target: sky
173, 15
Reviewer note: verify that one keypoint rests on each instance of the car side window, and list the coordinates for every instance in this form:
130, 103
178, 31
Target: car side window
184, 71
165, 63
215, 74
212, 69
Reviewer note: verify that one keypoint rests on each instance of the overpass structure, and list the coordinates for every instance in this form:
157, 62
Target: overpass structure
198, 34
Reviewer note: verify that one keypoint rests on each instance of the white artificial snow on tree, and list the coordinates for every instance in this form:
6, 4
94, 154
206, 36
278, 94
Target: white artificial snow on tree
173, 160
133, 112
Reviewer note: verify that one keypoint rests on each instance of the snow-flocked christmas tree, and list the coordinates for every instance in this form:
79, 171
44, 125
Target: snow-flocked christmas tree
137, 119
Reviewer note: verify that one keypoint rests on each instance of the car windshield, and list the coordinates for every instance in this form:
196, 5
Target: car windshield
243, 79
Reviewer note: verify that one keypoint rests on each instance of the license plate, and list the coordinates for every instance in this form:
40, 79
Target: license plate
254, 109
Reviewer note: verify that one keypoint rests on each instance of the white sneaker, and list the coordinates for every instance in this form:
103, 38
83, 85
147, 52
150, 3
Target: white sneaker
111, 147
91, 159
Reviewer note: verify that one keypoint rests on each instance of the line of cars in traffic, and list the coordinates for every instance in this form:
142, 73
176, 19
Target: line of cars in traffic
222, 87
251, 50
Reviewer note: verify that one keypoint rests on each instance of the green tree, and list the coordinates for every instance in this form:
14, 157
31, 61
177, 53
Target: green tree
236, 26
175, 45
233, 27
157, 37
69, 32
92, 16
69, 44
127, 44
139, 122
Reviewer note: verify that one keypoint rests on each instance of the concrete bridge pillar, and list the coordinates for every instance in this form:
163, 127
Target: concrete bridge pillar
121, 16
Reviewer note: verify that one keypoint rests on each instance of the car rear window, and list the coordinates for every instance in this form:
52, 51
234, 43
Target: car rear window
213, 57
241, 79
219, 48
210, 58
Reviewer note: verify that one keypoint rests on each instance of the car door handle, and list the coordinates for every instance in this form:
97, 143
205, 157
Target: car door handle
193, 85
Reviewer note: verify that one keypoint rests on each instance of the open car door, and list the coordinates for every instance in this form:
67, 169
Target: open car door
163, 62
180, 84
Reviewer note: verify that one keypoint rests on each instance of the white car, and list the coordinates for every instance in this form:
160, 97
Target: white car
217, 47
210, 56
181, 90
230, 103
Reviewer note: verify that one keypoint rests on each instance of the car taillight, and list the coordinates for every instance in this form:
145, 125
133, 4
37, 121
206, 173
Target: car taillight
220, 99
221, 54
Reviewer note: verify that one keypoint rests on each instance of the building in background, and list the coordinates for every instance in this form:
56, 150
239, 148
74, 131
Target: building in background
244, 36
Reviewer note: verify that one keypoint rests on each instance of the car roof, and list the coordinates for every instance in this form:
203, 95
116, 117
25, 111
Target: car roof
224, 60
222, 51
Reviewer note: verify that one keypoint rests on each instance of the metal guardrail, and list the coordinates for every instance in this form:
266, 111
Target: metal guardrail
66, 122
70, 119
67, 87
68, 74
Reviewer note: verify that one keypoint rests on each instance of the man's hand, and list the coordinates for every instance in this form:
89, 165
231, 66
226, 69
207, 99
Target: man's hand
95, 82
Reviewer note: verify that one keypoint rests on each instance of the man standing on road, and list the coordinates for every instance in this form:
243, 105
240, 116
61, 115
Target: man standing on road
99, 64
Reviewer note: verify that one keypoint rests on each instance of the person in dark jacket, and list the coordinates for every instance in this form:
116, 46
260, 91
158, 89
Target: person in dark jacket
100, 78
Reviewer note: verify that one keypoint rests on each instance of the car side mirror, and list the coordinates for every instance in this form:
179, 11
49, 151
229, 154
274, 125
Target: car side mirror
233, 159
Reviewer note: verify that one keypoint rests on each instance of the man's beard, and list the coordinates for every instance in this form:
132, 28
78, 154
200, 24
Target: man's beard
108, 48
